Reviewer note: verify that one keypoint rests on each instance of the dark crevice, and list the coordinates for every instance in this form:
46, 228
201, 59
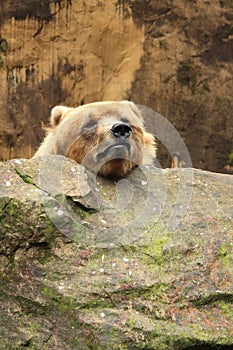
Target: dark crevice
27, 344
26, 178
213, 298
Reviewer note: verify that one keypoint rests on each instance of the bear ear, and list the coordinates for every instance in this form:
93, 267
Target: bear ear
58, 113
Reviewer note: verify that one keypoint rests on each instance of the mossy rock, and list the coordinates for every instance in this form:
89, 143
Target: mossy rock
87, 263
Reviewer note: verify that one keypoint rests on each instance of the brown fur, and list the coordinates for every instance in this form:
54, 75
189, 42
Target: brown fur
83, 134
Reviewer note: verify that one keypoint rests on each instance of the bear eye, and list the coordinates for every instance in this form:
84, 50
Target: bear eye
91, 124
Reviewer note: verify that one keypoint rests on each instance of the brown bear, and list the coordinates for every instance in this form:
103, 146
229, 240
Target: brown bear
107, 138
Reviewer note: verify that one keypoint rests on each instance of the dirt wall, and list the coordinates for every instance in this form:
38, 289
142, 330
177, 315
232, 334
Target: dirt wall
172, 56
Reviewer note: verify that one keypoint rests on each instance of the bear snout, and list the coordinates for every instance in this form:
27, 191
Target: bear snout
121, 130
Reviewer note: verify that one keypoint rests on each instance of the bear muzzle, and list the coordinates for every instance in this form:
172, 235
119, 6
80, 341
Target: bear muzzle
119, 146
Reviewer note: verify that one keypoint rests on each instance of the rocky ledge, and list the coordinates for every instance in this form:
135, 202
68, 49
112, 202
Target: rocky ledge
89, 263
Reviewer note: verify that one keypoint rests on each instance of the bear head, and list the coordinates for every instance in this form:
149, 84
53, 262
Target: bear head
107, 138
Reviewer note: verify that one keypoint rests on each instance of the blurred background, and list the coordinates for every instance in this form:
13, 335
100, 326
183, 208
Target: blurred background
174, 56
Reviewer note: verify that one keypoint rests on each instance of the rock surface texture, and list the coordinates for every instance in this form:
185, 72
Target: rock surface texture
173, 56
142, 263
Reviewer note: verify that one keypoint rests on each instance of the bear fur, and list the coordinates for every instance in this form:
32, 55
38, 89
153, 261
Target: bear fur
107, 138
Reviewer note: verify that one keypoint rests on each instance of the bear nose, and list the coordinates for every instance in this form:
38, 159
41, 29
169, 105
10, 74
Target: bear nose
121, 130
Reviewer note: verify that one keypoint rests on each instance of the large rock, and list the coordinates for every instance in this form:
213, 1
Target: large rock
88, 263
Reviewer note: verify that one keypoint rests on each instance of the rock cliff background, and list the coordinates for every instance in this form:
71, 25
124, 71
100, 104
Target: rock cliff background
172, 56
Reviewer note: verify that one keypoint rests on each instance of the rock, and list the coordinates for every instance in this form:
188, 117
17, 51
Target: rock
142, 263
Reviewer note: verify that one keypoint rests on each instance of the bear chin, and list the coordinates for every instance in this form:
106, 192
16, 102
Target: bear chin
115, 160
116, 169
